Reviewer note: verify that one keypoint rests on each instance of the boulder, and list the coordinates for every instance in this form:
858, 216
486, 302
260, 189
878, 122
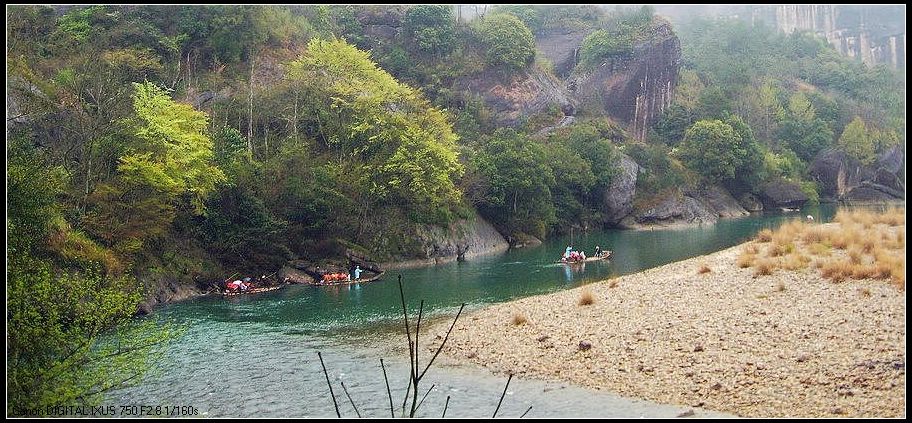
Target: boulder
720, 201
704, 205
465, 238
676, 208
780, 193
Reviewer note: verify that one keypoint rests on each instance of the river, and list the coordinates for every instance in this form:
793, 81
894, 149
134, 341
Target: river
256, 356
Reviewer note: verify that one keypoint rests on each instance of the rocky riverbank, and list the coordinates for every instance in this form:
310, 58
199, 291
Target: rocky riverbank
706, 333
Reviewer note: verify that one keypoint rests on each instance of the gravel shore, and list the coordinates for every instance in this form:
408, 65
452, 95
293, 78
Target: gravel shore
787, 344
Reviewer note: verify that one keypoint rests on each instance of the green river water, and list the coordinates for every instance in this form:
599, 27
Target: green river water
255, 356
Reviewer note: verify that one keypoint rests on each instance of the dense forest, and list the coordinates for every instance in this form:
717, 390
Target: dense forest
157, 145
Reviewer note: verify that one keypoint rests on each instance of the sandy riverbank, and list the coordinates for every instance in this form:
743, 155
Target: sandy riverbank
787, 344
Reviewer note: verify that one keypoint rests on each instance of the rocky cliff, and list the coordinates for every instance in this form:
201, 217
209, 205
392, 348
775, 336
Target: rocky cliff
519, 96
634, 88
873, 34
842, 178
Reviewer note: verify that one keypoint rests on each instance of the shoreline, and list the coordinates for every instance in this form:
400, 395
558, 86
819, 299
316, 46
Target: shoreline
788, 344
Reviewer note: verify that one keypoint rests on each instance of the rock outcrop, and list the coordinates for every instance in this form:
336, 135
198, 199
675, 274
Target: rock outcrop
842, 178
750, 202
166, 289
720, 201
464, 239
561, 47
634, 88
519, 96
779, 194
617, 201
706, 205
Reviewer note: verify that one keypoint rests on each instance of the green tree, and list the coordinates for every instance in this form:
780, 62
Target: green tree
508, 41
573, 182
69, 337
856, 141
173, 154
750, 156
519, 180
674, 122
402, 149
801, 129
430, 27
713, 149
713, 104
602, 44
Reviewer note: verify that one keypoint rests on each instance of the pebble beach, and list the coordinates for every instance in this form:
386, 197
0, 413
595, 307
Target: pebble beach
707, 334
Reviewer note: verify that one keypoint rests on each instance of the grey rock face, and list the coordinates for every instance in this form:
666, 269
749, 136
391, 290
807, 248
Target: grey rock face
465, 238
618, 199
840, 177
561, 47
750, 202
522, 95
782, 194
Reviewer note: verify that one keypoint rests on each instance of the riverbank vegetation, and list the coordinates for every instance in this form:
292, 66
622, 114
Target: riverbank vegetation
861, 245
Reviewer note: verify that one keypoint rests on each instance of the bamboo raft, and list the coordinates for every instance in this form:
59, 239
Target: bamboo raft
353, 281
251, 291
605, 255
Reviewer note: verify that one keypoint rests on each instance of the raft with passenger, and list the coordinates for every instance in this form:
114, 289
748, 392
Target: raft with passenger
331, 279
246, 286
577, 258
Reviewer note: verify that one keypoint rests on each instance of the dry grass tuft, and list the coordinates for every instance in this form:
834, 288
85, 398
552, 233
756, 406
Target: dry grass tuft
815, 234
765, 235
794, 261
704, 269
746, 260
586, 298
751, 248
837, 270
764, 267
864, 292
863, 272
855, 255
894, 216
781, 247
519, 318
612, 284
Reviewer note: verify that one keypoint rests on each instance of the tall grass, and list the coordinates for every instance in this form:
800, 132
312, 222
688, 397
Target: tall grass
864, 245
